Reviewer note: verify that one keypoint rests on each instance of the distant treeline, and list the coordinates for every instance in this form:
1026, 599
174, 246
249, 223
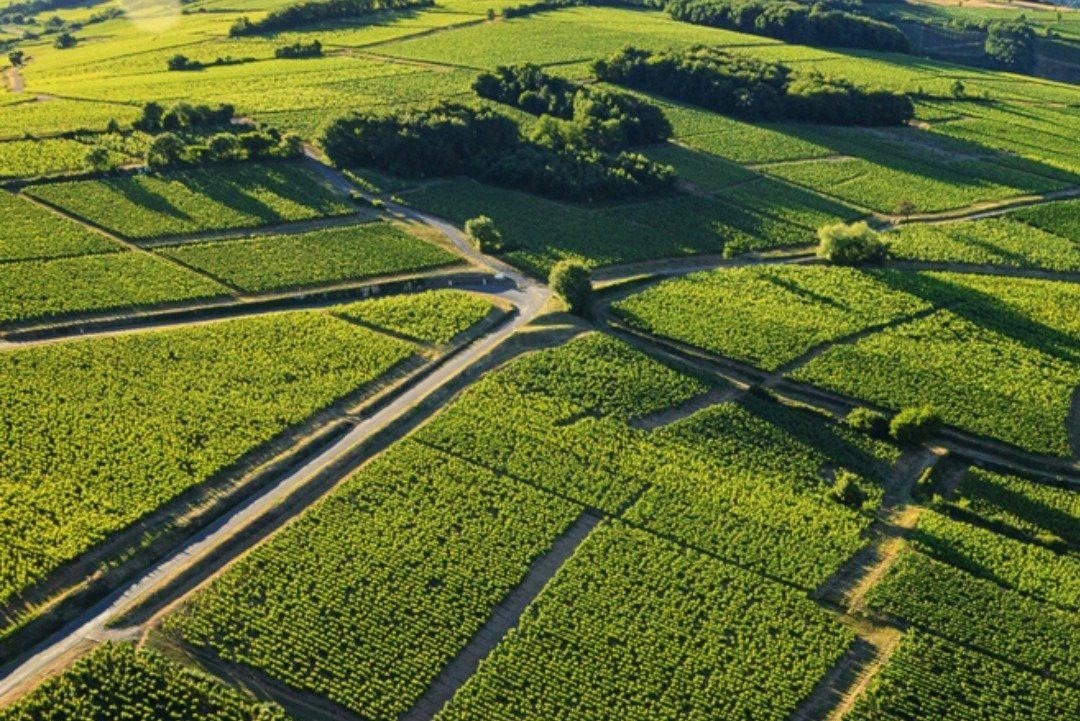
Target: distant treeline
594, 117
314, 11
751, 88
455, 139
793, 22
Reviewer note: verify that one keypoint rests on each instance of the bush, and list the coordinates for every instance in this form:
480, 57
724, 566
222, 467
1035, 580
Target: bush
868, 421
849, 244
484, 235
913, 426
845, 490
1011, 45
182, 62
65, 40
572, 282
299, 50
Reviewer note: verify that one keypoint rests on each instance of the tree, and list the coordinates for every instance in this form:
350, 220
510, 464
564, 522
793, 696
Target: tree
845, 490
484, 235
912, 426
869, 421
572, 282
1011, 45
905, 207
182, 62
65, 40
849, 244
167, 149
16, 57
958, 88
98, 159
150, 121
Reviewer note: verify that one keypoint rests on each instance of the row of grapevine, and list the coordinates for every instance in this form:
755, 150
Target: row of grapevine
190, 201
637, 628
1039, 511
268, 263
30, 232
1030, 568
976, 612
766, 316
369, 594
118, 682
1056, 218
435, 316
104, 431
930, 678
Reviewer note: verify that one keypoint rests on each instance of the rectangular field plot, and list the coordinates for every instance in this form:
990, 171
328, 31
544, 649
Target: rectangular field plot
929, 678
52, 156
766, 316
996, 241
1002, 360
637, 628
978, 613
118, 676
109, 429
240, 196
43, 289
318, 257
368, 595
28, 231
58, 116
1036, 510
1058, 218
435, 316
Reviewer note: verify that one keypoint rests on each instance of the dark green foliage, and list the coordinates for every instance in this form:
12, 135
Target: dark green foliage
849, 244
169, 150
794, 22
846, 490
306, 13
868, 421
484, 235
598, 118
1011, 45
572, 282
454, 139
65, 40
182, 116
912, 426
16, 57
747, 87
182, 62
300, 50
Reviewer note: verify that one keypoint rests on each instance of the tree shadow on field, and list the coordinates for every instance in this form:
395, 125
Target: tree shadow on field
986, 311
1028, 509
231, 186
138, 194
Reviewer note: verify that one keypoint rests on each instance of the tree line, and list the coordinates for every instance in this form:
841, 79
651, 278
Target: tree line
793, 22
451, 138
314, 11
575, 115
751, 88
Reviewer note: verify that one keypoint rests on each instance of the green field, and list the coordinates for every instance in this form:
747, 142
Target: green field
184, 202
93, 455
30, 232
331, 255
435, 316
766, 316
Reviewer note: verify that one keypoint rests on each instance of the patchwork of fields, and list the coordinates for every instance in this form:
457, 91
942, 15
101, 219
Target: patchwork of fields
300, 447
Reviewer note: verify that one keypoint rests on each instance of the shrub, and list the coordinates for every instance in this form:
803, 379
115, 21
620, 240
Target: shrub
65, 40
912, 426
484, 235
1011, 45
849, 244
572, 282
182, 62
866, 420
845, 490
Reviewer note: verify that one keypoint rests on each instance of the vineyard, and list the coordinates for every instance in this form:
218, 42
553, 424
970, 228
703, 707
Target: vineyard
151, 206
767, 316
102, 442
638, 627
1038, 511
30, 232
436, 316
330, 255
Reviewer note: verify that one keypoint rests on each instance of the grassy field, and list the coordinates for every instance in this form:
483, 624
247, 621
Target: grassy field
28, 231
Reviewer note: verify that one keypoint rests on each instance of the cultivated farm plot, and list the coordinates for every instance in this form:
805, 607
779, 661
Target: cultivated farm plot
1036, 511
46, 289
191, 201
53, 156
766, 316
434, 316
61, 116
330, 255
28, 231
639, 627
109, 429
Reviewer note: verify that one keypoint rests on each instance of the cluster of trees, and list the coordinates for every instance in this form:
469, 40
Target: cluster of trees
747, 87
170, 150
1011, 45
794, 22
849, 244
299, 50
586, 116
454, 139
314, 11
183, 62
182, 116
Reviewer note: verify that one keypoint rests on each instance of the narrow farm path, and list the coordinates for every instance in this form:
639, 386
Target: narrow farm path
845, 679
883, 643
677, 413
14, 80
504, 617
977, 211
